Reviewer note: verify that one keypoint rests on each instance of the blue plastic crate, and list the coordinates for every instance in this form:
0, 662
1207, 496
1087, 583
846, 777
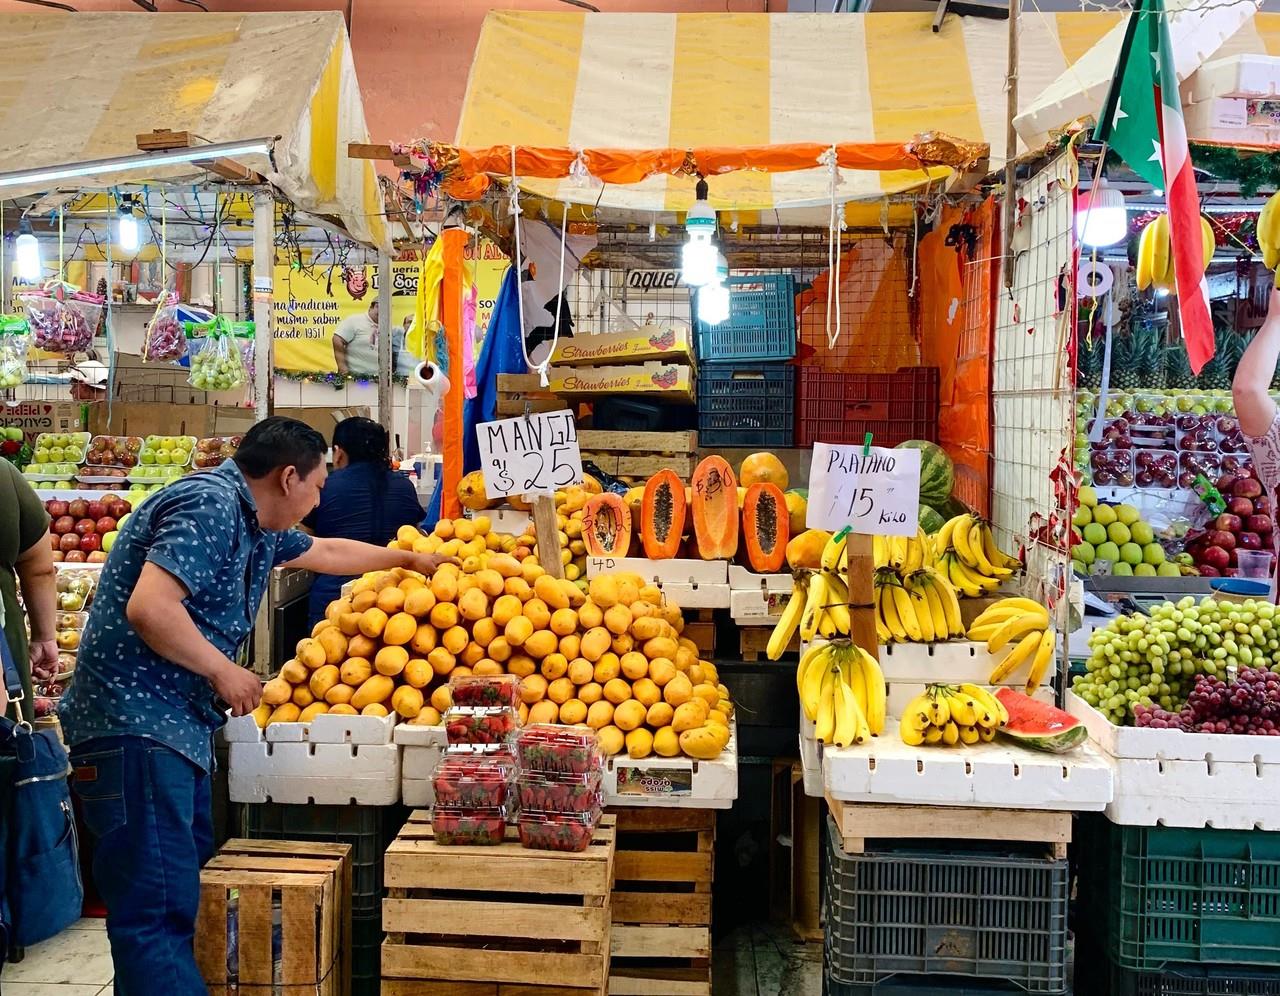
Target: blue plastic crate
761, 323
747, 406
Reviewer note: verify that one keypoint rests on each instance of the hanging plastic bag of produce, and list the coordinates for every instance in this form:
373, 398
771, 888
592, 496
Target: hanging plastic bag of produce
216, 360
164, 341
244, 335
63, 318
15, 340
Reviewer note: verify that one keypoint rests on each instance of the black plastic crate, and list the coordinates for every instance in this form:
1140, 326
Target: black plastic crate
746, 405
924, 985
366, 954
976, 913
368, 829
834, 407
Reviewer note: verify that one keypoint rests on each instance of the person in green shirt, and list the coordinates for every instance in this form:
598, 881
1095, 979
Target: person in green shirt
26, 561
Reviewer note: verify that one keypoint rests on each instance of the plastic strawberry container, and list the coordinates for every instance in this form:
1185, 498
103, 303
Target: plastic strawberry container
454, 825
492, 691
558, 831
558, 749
474, 781
480, 725
559, 793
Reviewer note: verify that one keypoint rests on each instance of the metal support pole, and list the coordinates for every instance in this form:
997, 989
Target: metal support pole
1011, 145
264, 264
385, 404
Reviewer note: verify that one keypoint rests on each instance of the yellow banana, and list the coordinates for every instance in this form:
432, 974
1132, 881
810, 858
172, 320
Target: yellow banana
1267, 241
950, 733
1014, 629
1206, 231
914, 559
873, 683
961, 706
940, 712
806, 660
984, 581
981, 634
919, 712
986, 734
906, 613
888, 609
811, 694
1144, 258
857, 681
969, 735
816, 597
933, 735
950, 603
1017, 657
846, 721
938, 612
1043, 658
789, 621
831, 552
910, 735
924, 617
982, 565
984, 696
960, 538
994, 554
942, 541
1016, 602
883, 635
962, 581
826, 721
1161, 258
880, 551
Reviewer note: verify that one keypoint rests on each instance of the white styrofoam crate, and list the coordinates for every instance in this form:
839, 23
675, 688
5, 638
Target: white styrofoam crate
756, 606
321, 773
508, 520
1246, 75
676, 782
741, 579
417, 792
1151, 811
996, 775
697, 595
326, 729
1226, 119
685, 572
810, 758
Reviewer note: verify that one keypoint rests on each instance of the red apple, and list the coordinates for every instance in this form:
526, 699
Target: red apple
65, 524
1222, 538
85, 526
56, 508
1249, 541
1216, 557
1209, 572
1246, 487
1262, 505
1240, 506
96, 510
104, 524
1227, 523
1258, 524
78, 509
75, 557
58, 556
68, 542
97, 557
90, 542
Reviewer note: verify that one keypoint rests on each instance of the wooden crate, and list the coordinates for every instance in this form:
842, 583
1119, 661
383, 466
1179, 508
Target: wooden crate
515, 391
662, 902
496, 920
640, 454
796, 843
753, 641
700, 627
310, 885
858, 823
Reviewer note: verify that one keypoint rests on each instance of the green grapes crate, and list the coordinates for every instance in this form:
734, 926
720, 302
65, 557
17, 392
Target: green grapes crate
1191, 896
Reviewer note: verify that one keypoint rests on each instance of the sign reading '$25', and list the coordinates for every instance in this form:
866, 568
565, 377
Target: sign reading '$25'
534, 454
873, 490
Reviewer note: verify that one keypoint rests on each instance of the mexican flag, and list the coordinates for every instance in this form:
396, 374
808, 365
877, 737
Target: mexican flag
1142, 121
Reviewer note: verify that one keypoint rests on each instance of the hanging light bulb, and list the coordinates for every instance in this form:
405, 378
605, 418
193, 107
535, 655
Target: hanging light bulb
127, 226
713, 297
1101, 219
26, 254
698, 256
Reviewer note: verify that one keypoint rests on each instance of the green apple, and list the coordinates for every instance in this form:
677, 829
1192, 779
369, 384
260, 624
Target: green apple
1082, 517
1122, 570
1118, 533
1127, 514
1108, 551
1142, 533
1104, 514
1083, 552
1131, 553
109, 540
1153, 553
1088, 497
1144, 571
1168, 570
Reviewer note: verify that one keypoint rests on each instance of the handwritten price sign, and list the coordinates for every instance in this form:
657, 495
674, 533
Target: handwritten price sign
875, 493
534, 455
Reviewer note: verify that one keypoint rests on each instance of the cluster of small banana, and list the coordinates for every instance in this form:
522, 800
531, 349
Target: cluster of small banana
819, 603
921, 607
1155, 253
950, 715
1023, 625
842, 690
905, 554
969, 557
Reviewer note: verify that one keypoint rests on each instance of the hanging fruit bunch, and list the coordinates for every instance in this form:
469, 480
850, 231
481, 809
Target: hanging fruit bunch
1269, 234
1155, 253
842, 690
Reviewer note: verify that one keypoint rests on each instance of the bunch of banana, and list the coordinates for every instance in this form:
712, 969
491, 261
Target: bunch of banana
970, 558
819, 603
950, 715
1021, 626
922, 607
842, 690
1269, 234
1155, 253
905, 554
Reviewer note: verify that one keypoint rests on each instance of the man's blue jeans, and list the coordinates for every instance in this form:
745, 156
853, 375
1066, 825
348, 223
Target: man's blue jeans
149, 811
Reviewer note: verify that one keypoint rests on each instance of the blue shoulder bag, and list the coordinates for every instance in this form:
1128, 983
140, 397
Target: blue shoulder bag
40, 888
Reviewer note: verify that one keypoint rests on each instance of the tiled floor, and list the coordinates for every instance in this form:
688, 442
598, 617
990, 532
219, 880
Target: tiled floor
75, 963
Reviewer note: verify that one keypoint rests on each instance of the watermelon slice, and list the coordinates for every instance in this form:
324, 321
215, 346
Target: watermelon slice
1038, 725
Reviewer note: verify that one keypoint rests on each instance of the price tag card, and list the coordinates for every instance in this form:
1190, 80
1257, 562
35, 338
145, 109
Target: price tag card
876, 493
533, 455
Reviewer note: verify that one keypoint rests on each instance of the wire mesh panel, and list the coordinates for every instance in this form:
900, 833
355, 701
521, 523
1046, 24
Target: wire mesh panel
1032, 380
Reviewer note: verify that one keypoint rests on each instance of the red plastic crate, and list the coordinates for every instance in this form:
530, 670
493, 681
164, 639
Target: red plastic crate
834, 407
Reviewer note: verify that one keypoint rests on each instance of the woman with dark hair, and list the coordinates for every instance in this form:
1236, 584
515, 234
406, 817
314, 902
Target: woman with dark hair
363, 499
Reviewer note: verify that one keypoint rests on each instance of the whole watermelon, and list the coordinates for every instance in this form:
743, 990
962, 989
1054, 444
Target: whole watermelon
931, 519
937, 472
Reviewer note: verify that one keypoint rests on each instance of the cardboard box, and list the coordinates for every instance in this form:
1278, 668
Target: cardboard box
669, 344
659, 381
35, 417
145, 418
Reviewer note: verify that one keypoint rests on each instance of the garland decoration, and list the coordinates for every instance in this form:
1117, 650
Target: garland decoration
334, 379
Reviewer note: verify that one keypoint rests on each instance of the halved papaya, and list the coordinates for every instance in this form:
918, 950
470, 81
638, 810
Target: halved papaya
606, 526
766, 527
715, 509
662, 513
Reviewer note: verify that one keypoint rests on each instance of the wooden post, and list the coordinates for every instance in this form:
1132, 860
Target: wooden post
862, 603
386, 359
1011, 145
264, 265
547, 533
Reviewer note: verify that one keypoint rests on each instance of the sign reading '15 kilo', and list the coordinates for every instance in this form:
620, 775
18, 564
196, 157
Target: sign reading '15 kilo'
871, 490
534, 454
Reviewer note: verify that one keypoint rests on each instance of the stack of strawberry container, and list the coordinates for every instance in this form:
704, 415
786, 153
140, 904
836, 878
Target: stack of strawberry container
560, 770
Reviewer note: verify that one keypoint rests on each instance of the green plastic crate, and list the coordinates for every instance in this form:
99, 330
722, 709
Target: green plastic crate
1190, 896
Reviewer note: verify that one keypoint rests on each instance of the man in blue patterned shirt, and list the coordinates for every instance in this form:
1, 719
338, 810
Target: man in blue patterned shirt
178, 595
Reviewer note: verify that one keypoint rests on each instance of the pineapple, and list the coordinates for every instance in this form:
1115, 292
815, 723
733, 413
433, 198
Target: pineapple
1216, 375
1089, 349
1124, 363
1147, 348
1178, 368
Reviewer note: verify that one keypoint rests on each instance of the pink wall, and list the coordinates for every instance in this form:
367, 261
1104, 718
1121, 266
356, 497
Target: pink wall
413, 56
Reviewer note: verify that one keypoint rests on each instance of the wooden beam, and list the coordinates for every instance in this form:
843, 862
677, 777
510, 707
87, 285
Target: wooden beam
371, 150
164, 140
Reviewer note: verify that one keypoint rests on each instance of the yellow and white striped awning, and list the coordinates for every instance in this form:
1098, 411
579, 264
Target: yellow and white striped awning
681, 80
82, 88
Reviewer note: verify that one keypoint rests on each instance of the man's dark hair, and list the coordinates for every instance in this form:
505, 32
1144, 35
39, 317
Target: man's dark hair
277, 442
365, 441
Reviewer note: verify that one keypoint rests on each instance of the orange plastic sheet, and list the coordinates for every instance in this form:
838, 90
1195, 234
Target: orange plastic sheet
455, 244
957, 324
467, 171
